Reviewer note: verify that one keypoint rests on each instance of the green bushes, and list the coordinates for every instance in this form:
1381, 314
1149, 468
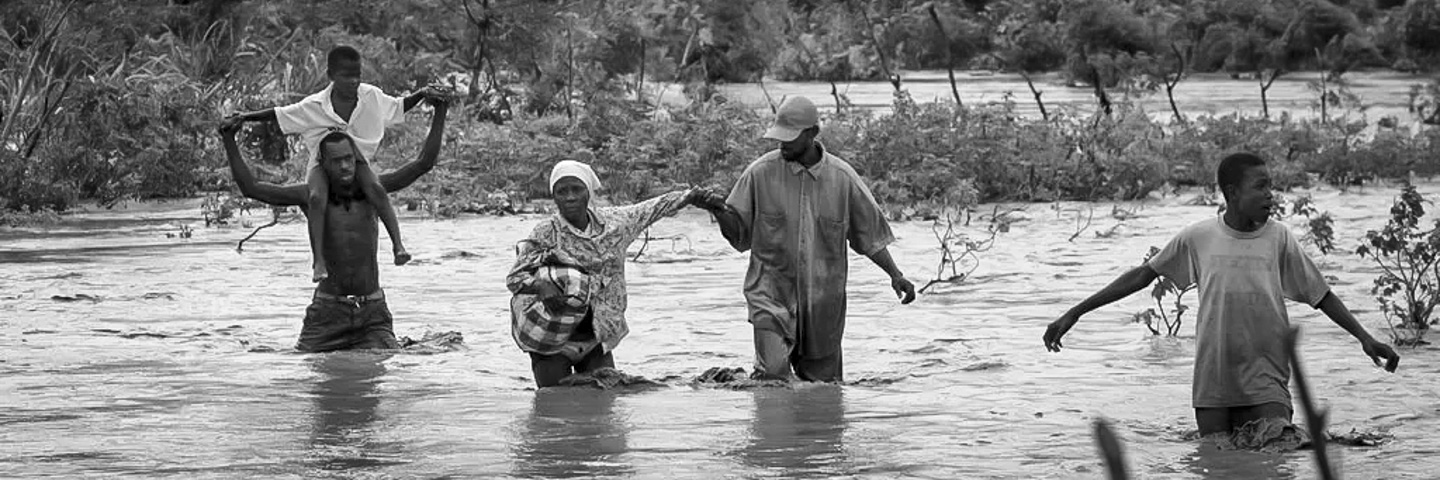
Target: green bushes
1408, 254
914, 159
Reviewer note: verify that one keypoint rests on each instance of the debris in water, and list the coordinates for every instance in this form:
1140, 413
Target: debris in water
985, 365
434, 342
735, 378
144, 334
76, 298
877, 381
722, 375
607, 378
1362, 439
1268, 435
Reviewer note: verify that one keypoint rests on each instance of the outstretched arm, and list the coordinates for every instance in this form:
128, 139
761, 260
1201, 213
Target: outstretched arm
1129, 282
407, 174
1340, 314
413, 100
264, 115
427, 93
732, 227
263, 191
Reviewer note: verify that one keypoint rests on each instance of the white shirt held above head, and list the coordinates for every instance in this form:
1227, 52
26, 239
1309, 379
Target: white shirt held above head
314, 117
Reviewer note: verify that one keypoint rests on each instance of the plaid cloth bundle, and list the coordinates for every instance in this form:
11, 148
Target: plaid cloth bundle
537, 327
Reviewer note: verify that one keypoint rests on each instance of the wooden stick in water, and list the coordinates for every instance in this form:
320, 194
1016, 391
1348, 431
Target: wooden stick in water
1110, 450
1314, 418
274, 219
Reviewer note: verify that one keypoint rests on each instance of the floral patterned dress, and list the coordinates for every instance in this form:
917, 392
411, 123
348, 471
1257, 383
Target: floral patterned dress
594, 259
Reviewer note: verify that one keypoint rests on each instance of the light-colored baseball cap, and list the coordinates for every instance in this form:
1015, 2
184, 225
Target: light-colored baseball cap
795, 114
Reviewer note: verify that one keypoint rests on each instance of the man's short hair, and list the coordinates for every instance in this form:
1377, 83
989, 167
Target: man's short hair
332, 137
341, 53
1232, 169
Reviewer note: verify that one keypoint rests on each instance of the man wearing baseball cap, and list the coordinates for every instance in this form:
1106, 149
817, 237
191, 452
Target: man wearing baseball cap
795, 209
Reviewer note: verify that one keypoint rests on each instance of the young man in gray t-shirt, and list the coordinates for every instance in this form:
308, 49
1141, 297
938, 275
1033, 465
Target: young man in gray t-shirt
1244, 267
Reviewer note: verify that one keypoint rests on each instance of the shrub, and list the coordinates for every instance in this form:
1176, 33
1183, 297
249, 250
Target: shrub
1171, 318
1408, 288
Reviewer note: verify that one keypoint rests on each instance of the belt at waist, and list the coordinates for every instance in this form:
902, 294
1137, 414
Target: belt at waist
375, 296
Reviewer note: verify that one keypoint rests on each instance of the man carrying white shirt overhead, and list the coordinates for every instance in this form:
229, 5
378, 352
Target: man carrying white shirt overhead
360, 110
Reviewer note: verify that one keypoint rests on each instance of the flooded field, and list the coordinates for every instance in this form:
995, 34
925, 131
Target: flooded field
124, 352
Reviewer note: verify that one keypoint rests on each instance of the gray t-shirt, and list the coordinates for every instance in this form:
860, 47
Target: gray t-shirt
1243, 280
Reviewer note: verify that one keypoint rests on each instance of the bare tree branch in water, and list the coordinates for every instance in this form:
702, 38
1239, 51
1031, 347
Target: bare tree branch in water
955, 247
274, 220
1110, 450
949, 53
1182, 58
1314, 417
875, 40
645, 242
1082, 225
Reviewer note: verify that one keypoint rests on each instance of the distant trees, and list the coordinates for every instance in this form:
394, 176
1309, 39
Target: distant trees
111, 99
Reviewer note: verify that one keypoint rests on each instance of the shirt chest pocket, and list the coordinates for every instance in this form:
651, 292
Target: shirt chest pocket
769, 236
830, 237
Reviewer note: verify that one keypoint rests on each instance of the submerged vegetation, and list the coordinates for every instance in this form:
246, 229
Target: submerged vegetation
1408, 254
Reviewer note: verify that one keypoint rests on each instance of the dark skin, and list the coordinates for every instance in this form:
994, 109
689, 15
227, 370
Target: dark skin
351, 235
1249, 205
802, 149
344, 97
572, 199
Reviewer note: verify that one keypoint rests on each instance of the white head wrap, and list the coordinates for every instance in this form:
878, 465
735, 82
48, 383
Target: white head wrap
571, 168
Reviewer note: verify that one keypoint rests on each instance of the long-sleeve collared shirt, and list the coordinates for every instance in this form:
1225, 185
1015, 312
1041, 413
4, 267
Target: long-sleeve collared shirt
797, 222
600, 251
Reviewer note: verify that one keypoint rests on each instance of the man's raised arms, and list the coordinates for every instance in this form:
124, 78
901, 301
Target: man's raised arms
295, 194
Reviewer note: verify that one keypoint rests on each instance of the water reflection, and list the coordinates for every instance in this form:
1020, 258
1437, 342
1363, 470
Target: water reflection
573, 433
799, 431
1210, 462
347, 398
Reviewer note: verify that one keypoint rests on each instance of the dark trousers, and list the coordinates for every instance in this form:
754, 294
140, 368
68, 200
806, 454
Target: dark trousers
1226, 420
549, 369
776, 358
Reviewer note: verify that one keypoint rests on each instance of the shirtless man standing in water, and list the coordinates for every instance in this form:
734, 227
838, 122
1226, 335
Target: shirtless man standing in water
348, 310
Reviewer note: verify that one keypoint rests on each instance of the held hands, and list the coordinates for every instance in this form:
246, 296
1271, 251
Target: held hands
903, 289
1057, 329
229, 126
1377, 350
437, 95
706, 198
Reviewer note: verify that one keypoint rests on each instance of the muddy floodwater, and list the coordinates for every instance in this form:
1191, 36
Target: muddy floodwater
125, 352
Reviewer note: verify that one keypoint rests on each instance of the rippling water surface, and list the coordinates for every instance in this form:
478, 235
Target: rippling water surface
124, 352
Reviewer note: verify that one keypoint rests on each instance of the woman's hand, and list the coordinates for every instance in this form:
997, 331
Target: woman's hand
706, 198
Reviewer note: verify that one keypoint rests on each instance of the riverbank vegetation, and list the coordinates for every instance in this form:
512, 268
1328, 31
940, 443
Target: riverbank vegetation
112, 101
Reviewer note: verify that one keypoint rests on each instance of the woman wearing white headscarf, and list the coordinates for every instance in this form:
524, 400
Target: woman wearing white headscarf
568, 311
